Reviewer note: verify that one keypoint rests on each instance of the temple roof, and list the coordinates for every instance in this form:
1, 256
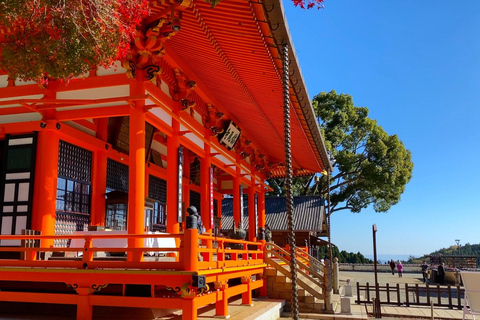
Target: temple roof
234, 53
309, 213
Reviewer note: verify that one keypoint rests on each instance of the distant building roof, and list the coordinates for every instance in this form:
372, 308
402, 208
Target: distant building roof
308, 213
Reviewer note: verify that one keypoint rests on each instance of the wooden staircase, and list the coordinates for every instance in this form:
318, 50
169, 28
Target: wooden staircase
313, 290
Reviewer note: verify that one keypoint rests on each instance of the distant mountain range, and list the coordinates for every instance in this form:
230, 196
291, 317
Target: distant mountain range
382, 258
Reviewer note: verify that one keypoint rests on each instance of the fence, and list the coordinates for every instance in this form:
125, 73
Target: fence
441, 296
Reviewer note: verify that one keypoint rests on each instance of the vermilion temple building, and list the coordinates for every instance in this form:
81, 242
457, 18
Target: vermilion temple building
194, 114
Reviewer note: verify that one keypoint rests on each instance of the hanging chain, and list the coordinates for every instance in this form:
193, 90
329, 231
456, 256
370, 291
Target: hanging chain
328, 220
288, 181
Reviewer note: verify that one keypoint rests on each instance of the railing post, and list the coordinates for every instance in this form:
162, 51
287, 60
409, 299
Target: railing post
407, 303
221, 306
190, 250
388, 292
327, 286
398, 295
417, 294
368, 292
450, 306
336, 282
428, 294
263, 248
358, 292
247, 296
220, 254
439, 295
459, 301
87, 253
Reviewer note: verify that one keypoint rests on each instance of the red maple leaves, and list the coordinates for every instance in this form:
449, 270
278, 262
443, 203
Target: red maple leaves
63, 39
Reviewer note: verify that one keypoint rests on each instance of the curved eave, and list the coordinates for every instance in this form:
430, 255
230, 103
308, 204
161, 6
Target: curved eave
235, 54
280, 173
233, 50
281, 34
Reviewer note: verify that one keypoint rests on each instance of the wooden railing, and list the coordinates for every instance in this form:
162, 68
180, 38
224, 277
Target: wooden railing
444, 296
309, 260
188, 256
224, 256
316, 280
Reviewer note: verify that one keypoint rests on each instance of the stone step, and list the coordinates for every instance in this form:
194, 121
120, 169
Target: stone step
266, 310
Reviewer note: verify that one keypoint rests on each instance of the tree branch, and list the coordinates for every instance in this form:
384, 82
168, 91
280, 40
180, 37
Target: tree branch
305, 187
338, 185
341, 208
342, 174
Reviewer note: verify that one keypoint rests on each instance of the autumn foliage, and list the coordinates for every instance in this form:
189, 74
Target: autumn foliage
63, 39
308, 4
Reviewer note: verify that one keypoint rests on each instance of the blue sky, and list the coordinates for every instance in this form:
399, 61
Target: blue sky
416, 66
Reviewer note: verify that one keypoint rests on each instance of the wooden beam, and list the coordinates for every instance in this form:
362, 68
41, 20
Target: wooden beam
92, 113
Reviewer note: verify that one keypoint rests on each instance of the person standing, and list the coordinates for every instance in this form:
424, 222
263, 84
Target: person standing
424, 271
392, 266
399, 268
441, 273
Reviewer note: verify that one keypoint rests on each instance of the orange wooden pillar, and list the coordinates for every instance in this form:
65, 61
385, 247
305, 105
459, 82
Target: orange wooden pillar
261, 224
45, 188
251, 211
236, 197
206, 199
84, 308
189, 309
261, 208
221, 306
136, 173
191, 250
247, 296
173, 202
99, 176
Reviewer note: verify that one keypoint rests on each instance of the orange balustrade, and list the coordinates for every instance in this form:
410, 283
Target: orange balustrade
227, 259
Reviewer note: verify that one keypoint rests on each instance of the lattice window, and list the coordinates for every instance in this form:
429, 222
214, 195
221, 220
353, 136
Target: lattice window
74, 179
117, 176
73, 200
195, 171
157, 189
73, 196
74, 162
195, 199
160, 214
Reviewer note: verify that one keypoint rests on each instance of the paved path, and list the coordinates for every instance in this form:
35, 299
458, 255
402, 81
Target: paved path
391, 312
358, 312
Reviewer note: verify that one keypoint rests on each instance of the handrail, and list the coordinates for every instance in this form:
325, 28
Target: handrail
189, 255
318, 289
230, 257
97, 236
316, 263
300, 264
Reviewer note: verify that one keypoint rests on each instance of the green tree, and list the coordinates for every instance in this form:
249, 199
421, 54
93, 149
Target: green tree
371, 167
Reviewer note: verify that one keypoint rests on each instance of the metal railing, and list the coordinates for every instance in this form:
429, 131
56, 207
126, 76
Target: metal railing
421, 295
